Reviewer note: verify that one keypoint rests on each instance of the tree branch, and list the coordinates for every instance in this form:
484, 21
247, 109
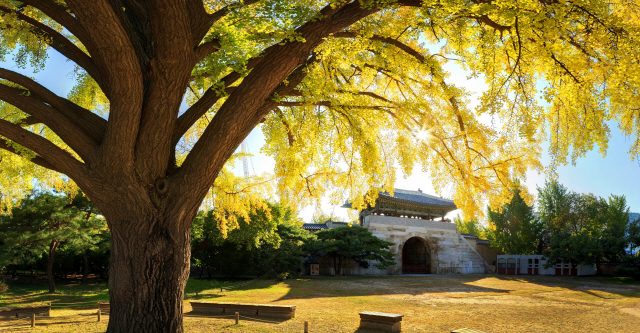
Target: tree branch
67, 131
488, 21
59, 159
202, 21
206, 48
280, 115
404, 47
118, 58
59, 13
243, 110
208, 99
91, 124
196, 111
59, 43
561, 64
36, 160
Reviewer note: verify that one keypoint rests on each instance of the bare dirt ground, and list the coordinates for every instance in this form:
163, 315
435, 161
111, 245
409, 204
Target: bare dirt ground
429, 303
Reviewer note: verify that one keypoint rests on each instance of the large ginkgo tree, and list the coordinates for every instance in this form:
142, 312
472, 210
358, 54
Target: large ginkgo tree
345, 92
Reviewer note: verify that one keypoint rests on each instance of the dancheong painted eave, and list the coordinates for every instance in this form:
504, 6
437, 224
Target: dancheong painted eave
412, 200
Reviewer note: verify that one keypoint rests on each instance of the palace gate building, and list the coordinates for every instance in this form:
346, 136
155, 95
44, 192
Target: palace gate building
424, 241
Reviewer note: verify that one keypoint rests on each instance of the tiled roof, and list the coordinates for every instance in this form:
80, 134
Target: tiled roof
476, 238
314, 226
415, 197
341, 224
419, 197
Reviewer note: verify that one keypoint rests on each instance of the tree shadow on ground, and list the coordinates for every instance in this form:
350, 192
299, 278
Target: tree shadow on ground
22, 292
455, 285
205, 288
244, 317
349, 286
46, 321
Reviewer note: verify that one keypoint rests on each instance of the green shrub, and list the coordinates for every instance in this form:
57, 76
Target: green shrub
630, 268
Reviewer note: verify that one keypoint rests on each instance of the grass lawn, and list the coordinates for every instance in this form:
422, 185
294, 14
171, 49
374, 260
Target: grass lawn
430, 304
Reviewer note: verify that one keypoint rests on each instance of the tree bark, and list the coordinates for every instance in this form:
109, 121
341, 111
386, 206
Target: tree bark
52, 251
85, 272
142, 62
148, 272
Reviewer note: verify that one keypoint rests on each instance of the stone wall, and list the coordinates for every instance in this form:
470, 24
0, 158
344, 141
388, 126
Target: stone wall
449, 251
489, 254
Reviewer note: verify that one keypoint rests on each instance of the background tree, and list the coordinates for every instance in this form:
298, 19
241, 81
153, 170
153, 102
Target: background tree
514, 229
355, 243
320, 218
284, 259
42, 223
582, 228
555, 206
345, 92
471, 226
267, 244
614, 240
634, 236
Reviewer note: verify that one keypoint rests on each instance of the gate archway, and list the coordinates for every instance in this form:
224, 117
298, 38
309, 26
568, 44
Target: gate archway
415, 257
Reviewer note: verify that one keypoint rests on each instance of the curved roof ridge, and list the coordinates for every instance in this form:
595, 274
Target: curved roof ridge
419, 192
418, 197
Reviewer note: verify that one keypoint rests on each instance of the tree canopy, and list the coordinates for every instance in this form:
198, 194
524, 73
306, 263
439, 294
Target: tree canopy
355, 243
471, 226
344, 90
267, 244
583, 228
376, 90
42, 223
513, 228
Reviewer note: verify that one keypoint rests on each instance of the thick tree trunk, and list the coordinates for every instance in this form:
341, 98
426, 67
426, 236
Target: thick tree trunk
52, 251
149, 268
85, 272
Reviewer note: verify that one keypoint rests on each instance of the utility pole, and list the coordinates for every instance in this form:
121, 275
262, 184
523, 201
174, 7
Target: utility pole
245, 164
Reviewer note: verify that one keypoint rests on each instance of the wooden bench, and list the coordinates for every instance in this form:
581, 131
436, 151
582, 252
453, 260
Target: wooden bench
283, 311
104, 307
388, 322
17, 310
466, 330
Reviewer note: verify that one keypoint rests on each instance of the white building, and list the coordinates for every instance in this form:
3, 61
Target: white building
513, 264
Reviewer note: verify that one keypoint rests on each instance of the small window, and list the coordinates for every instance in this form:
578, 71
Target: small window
502, 263
530, 261
511, 263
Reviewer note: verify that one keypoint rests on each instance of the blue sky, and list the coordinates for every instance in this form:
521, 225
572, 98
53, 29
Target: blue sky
602, 176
